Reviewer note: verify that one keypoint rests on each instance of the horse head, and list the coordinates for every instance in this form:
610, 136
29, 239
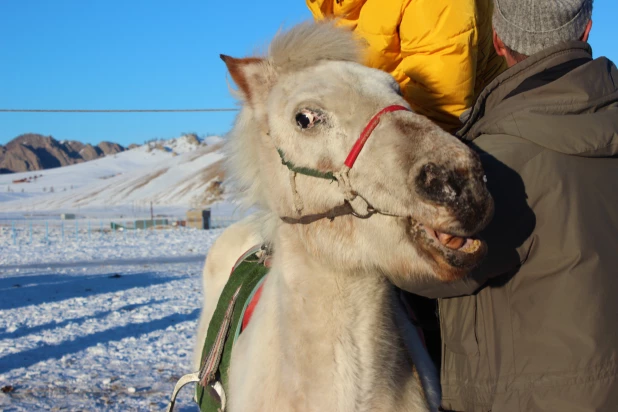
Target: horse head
331, 148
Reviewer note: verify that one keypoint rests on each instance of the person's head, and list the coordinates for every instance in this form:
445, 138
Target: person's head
525, 27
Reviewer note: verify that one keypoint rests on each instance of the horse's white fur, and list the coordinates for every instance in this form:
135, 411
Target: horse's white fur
327, 332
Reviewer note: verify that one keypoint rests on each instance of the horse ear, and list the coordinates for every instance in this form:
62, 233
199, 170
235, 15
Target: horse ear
252, 75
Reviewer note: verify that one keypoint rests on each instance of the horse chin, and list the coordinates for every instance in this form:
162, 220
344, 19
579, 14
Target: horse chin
451, 256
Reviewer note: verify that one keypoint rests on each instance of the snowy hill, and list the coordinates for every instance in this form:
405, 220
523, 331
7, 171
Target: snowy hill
185, 171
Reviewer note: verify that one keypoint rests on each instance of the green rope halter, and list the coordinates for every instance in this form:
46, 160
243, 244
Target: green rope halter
305, 170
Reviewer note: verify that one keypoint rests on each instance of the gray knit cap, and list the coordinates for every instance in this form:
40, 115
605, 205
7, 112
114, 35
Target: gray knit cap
529, 26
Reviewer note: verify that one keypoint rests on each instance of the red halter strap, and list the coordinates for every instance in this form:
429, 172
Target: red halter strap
364, 136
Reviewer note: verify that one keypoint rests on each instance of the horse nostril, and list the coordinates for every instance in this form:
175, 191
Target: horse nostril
429, 174
437, 183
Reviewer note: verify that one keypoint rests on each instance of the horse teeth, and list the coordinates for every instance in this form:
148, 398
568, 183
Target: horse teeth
472, 247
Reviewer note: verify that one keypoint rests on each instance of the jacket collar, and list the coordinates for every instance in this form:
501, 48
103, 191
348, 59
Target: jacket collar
512, 81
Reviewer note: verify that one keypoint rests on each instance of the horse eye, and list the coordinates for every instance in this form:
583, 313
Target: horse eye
306, 119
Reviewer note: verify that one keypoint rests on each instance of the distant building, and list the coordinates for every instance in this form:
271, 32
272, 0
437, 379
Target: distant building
198, 219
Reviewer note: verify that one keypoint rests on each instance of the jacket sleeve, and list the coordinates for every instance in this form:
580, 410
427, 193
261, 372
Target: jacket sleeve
439, 52
509, 234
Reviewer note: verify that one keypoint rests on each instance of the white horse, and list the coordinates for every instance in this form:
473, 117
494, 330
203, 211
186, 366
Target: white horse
345, 224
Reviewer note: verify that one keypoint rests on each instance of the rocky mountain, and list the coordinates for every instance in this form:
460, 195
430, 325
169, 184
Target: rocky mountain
35, 152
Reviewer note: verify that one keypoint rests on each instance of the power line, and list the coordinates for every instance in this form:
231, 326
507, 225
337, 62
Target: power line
114, 110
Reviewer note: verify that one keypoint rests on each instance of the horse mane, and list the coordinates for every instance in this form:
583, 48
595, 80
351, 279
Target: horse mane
299, 48
310, 43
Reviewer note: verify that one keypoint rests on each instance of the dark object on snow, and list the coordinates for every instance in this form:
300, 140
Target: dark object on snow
7, 389
198, 219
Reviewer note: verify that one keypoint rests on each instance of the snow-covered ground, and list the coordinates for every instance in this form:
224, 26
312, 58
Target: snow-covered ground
104, 247
99, 319
100, 324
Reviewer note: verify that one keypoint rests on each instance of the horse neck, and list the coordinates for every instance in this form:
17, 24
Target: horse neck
336, 329
330, 292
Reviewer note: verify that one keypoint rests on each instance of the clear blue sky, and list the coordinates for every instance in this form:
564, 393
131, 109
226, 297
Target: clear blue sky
123, 54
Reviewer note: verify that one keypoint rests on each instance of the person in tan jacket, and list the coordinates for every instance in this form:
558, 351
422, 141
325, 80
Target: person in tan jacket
533, 329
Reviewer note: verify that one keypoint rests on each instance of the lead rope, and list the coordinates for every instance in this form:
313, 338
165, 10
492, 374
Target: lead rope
208, 370
207, 373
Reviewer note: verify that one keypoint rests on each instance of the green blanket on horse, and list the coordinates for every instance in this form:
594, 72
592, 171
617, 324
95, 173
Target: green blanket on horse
234, 309
226, 324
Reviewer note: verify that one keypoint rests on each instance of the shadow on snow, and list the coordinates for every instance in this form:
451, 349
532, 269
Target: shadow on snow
23, 291
24, 331
108, 262
31, 356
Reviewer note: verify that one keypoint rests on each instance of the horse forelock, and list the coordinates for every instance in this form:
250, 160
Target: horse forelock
310, 43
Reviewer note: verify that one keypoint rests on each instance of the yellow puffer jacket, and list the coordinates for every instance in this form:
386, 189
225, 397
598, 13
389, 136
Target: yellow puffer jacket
440, 51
